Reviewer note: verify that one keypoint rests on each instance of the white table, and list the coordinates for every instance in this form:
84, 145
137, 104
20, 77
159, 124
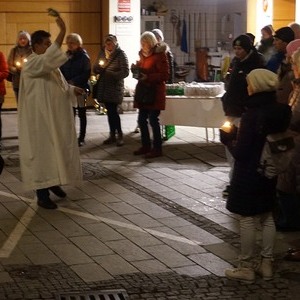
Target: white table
193, 111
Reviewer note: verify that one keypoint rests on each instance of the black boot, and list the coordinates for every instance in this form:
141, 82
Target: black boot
44, 200
58, 191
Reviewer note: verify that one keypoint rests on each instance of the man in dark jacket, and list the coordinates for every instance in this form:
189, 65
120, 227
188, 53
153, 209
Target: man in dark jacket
282, 37
246, 59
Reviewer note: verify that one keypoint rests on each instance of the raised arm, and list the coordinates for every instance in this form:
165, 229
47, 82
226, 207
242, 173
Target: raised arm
62, 26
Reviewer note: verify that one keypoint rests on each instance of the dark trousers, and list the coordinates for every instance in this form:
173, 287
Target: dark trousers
82, 121
152, 115
113, 117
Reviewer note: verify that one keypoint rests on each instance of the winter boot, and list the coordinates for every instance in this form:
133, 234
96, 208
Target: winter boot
110, 140
242, 274
265, 268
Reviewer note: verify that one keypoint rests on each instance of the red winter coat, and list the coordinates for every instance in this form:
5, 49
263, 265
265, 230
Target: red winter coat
156, 68
3, 73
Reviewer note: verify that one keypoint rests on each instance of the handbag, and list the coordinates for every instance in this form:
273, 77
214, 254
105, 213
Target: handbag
144, 94
277, 154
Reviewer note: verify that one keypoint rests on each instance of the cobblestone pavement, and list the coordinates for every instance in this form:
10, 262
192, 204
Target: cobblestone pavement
155, 229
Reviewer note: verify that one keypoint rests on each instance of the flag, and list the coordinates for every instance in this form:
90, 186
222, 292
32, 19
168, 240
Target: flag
184, 46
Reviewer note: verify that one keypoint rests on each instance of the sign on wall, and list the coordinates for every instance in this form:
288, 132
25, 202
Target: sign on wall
123, 5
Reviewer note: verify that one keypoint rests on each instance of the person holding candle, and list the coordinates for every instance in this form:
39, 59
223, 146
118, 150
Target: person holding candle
112, 67
154, 72
49, 154
77, 72
17, 57
3, 76
252, 196
246, 59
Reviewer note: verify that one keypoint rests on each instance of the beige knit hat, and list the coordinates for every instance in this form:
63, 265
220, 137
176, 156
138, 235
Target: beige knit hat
262, 80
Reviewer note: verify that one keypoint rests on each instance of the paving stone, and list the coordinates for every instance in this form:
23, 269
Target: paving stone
91, 245
91, 272
115, 264
168, 256
211, 262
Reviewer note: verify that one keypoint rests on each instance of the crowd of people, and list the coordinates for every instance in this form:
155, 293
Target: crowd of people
262, 97
51, 87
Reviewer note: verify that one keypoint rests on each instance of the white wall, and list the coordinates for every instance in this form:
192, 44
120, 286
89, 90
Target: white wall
210, 31
128, 33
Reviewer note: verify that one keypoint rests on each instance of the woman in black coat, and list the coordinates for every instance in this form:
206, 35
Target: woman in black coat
112, 67
252, 196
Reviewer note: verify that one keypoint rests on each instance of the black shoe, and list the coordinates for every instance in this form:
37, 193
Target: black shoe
225, 193
81, 142
46, 203
44, 200
58, 191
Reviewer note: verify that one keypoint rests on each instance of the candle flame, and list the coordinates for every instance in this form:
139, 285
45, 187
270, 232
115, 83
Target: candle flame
101, 62
18, 63
226, 124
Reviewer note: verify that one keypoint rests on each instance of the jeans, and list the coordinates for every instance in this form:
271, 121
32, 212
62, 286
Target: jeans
248, 236
82, 121
113, 117
152, 115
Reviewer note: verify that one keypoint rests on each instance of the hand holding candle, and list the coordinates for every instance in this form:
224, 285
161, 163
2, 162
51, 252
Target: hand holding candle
227, 126
228, 133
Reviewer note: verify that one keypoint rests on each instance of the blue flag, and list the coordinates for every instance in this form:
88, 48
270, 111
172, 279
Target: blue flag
184, 46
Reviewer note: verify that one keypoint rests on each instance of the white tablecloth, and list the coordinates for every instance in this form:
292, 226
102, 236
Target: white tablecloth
193, 111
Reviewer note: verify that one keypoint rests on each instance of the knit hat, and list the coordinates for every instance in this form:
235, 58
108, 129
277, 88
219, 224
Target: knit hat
158, 32
112, 38
251, 36
292, 47
24, 33
286, 34
243, 41
262, 80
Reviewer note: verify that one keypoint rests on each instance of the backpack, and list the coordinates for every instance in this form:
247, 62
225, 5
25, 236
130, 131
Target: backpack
277, 154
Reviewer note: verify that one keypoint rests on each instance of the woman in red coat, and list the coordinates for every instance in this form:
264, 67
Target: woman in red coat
153, 72
3, 76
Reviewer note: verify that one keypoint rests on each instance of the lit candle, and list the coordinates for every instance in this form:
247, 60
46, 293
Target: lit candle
226, 126
101, 62
18, 64
25, 60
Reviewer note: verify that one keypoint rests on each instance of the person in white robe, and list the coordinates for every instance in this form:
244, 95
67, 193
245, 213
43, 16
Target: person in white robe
49, 154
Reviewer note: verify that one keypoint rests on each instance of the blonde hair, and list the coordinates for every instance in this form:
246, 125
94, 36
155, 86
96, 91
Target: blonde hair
74, 37
149, 37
